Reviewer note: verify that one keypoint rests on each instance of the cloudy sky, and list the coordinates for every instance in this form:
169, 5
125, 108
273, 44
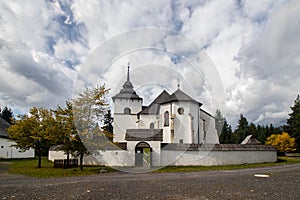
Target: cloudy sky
251, 47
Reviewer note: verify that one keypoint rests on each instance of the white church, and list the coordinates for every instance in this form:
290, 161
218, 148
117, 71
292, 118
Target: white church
173, 130
170, 118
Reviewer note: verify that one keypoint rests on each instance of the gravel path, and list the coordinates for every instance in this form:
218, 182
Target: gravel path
283, 183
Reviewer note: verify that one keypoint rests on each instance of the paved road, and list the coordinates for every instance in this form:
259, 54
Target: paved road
283, 183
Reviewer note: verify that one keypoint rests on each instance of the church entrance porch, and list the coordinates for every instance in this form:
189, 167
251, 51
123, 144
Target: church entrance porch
143, 154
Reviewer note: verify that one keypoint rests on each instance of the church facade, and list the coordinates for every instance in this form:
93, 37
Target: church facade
175, 118
170, 119
172, 130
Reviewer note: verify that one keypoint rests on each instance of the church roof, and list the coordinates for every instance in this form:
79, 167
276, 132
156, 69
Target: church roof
179, 95
3, 126
144, 135
127, 92
153, 108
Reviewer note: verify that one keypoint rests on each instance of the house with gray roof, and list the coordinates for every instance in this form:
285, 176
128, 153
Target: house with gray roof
3, 126
7, 150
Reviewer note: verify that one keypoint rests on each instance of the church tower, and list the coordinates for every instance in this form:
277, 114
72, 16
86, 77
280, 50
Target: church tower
127, 104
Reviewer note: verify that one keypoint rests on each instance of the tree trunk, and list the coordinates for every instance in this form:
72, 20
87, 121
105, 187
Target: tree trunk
40, 159
81, 161
68, 158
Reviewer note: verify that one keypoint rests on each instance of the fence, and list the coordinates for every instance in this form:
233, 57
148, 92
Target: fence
63, 163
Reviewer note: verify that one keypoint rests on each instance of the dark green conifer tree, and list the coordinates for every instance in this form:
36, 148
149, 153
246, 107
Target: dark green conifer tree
7, 114
241, 131
293, 122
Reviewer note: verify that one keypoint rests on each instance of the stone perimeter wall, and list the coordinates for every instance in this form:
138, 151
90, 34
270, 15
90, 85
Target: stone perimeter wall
188, 155
211, 158
219, 154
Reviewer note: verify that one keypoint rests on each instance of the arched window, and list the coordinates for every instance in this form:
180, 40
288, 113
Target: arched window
127, 110
166, 118
151, 125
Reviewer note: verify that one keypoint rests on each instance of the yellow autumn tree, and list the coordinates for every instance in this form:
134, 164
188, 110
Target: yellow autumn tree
282, 142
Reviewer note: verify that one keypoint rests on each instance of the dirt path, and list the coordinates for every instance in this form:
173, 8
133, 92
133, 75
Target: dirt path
283, 183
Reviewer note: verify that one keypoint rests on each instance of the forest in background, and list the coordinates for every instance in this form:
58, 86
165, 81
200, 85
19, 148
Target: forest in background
224, 129
260, 132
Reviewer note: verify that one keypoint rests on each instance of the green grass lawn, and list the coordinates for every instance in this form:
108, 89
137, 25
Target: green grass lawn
28, 167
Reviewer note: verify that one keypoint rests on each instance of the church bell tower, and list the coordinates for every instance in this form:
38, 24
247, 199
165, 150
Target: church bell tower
127, 104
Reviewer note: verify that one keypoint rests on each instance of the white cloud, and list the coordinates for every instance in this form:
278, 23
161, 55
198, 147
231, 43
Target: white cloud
105, 19
253, 44
207, 21
271, 59
38, 54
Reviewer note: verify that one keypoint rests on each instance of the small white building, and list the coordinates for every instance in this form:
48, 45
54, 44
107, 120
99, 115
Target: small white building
6, 148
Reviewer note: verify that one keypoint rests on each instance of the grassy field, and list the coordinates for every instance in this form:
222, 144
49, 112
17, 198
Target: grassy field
28, 167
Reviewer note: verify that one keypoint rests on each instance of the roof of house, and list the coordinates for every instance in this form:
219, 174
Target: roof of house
153, 108
179, 95
3, 126
144, 135
250, 139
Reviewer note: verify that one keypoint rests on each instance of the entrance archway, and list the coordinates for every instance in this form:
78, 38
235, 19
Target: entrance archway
143, 153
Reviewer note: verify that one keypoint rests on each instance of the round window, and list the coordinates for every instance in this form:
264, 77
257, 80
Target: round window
180, 110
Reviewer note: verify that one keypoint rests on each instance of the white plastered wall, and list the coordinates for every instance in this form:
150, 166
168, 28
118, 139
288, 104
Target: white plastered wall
210, 158
121, 123
211, 131
7, 151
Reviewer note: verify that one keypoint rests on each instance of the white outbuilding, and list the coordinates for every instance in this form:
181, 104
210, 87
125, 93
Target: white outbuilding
7, 150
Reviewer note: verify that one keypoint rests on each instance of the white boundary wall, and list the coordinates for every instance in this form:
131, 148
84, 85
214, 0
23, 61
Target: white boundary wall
180, 157
190, 158
210, 158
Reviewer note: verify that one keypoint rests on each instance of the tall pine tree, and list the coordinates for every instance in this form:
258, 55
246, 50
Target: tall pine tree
7, 114
226, 135
253, 130
241, 131
261, 136
108, 127
219, 121
293, 122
